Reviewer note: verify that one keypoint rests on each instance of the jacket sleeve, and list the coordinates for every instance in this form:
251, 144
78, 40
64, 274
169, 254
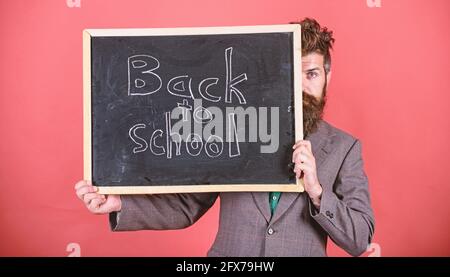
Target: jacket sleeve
160, 211
345, 213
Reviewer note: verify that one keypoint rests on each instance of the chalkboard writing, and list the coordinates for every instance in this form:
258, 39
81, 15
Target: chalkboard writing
192, 109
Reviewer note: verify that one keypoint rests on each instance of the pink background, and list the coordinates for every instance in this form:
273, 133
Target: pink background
390, 88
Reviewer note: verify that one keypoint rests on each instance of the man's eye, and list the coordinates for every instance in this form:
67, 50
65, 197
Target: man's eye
311, 75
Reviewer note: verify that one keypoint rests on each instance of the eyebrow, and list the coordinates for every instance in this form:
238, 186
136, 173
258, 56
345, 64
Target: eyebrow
312, 69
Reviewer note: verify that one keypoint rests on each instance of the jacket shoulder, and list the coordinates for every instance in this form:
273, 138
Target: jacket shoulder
338, 135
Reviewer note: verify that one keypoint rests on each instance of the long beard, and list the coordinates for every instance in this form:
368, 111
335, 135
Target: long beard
312, 112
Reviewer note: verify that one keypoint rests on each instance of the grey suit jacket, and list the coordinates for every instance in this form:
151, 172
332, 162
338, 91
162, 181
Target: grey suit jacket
246, 227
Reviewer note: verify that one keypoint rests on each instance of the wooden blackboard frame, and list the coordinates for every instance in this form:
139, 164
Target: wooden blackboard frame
88, 34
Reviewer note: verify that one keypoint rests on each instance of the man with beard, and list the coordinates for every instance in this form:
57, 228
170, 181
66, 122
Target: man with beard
336, 203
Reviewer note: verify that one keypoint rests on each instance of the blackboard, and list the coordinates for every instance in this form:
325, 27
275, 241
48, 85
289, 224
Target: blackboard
192, 109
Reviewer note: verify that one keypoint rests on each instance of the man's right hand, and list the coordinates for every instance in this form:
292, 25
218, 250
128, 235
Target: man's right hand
97, 203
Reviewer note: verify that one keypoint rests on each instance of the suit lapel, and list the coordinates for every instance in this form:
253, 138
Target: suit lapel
286, 200
321, 142
262, 202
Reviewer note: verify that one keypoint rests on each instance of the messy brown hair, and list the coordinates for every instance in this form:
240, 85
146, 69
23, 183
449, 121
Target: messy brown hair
316, 39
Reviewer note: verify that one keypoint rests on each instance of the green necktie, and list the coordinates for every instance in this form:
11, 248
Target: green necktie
274, 197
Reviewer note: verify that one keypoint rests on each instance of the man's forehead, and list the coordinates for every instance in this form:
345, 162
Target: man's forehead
312, 60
